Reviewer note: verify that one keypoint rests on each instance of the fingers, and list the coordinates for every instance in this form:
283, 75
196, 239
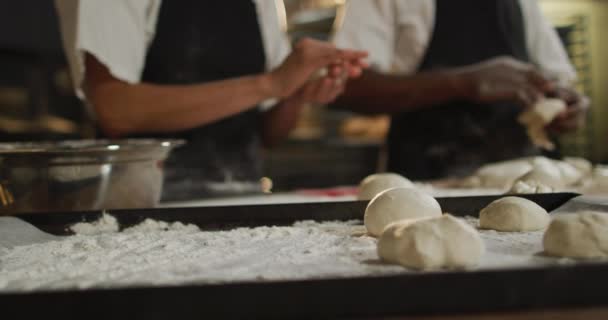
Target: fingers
336, 71
347, 69
355, 72
570, 120
322, 54
328, 51
573, 98
326, 90
352, 55
527, 96
323, 91
539, 81
564, 126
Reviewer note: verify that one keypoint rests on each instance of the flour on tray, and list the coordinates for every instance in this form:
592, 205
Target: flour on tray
156, 253
105, 224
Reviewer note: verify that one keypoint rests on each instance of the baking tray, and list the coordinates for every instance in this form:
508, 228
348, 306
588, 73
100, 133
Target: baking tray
581, 285
226, 217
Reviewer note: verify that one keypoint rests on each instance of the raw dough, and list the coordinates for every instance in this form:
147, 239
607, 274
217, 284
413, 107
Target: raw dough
443, 242
570, 174
538, 117
376, 183
529, 187
500, 175
399, 204
598, 185
545, 172
513, 214
554, 174
581, 235
583, 165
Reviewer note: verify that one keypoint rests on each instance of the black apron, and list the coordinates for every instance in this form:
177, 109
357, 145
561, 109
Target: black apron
455, 138
199, 41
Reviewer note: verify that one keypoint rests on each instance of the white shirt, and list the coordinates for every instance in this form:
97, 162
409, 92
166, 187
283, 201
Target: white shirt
119, 32
397, 33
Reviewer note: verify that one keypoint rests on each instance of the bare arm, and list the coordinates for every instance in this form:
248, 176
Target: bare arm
124, 108
380, 93
493, 80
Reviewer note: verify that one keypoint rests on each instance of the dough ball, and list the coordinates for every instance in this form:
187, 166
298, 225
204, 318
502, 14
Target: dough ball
501, 175
583, 165
545, 172
398, 204
376, 183
529, 187
570, 174
581, 235
433, 243
513, 214
599, 182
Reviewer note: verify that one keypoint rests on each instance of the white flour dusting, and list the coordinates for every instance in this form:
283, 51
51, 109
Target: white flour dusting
158, 253
105, 224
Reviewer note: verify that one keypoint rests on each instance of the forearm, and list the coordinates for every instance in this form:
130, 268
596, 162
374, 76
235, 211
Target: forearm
380, 93
278, 122
124, 109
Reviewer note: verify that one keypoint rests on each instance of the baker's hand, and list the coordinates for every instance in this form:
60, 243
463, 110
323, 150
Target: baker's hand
323, 90
504, 79
575, 115
307, 58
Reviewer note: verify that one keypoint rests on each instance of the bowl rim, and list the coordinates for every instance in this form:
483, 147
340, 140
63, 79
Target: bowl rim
87, 146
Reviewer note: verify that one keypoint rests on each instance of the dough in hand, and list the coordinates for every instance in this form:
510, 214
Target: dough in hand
514, 214
581, 235
398, 204
538, 117
433, 243
376, 183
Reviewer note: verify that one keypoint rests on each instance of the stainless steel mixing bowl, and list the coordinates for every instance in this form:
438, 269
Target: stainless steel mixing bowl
81, 175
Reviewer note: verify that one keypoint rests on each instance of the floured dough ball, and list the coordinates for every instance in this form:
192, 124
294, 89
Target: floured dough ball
582, 235
513, 214
529, 187
398, 204
376, 183
434, 243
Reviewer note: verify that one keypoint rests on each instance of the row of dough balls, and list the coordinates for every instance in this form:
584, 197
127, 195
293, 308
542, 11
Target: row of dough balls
519, 176
414, 232
533, 175
582, 235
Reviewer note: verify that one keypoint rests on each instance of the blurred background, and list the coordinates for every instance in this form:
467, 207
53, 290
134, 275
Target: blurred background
329, 146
